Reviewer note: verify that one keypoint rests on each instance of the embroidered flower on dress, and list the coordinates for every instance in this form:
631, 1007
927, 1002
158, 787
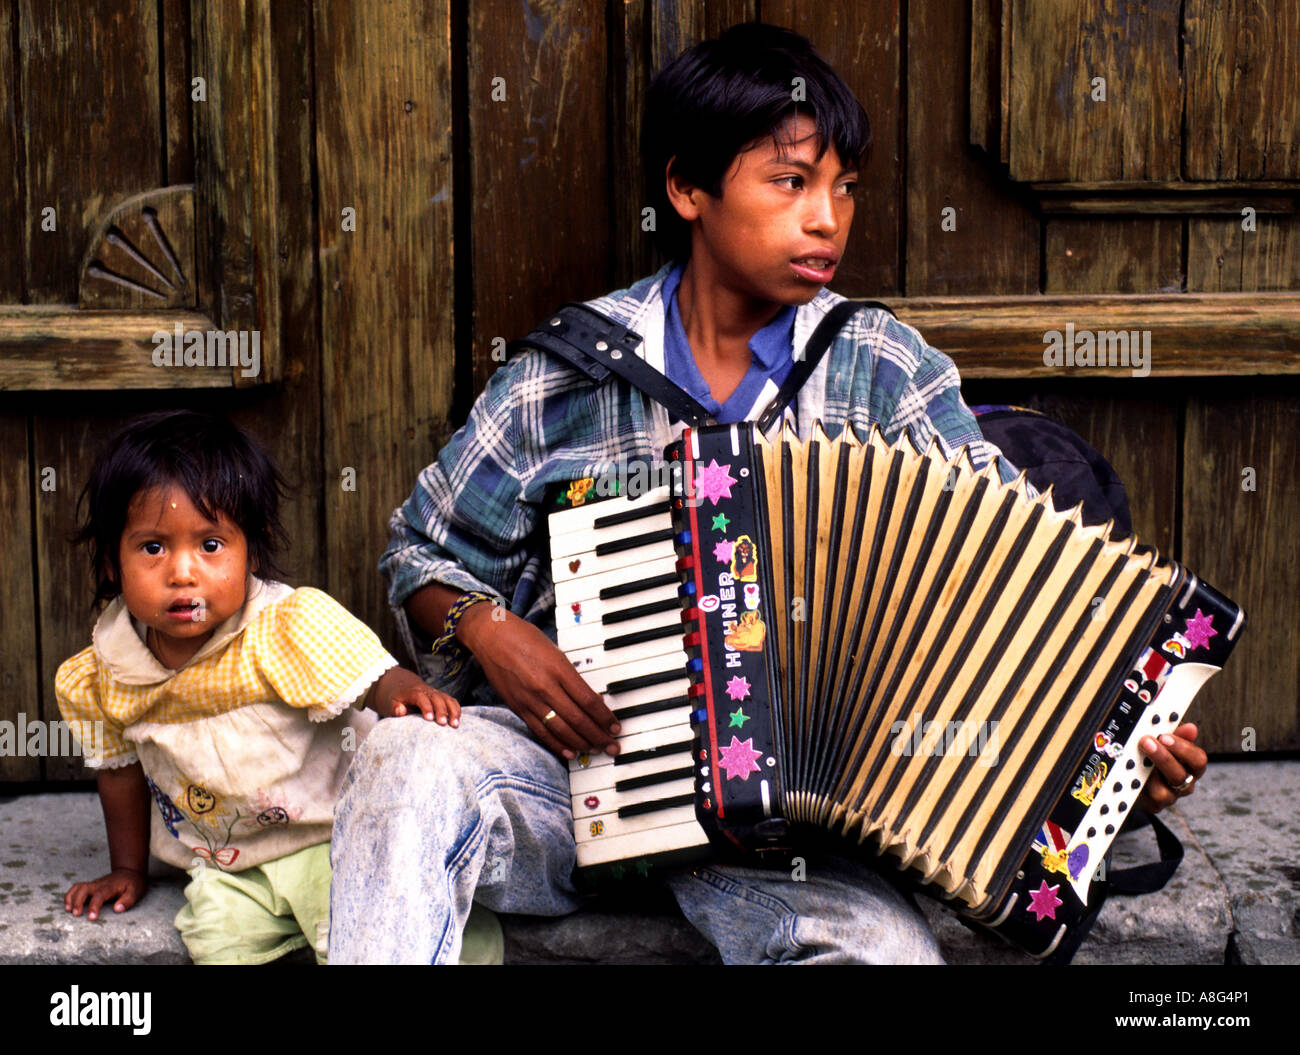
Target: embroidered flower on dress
269, 813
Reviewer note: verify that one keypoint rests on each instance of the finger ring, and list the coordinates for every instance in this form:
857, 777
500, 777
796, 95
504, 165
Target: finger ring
548, 716
1179, 789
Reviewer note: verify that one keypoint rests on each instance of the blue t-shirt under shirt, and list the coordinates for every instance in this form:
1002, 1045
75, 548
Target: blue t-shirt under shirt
772, 348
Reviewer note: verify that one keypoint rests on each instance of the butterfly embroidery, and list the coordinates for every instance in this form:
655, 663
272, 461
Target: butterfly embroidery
224, 856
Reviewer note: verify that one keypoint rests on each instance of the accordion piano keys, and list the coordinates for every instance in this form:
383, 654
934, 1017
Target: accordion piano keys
618, 620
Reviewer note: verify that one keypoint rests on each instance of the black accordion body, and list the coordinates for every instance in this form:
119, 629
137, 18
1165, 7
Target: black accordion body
849, 638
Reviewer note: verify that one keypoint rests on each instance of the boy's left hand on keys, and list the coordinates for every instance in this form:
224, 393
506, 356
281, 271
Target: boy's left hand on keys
400, 692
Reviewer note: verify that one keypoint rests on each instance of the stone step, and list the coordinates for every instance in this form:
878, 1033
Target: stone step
1234, 898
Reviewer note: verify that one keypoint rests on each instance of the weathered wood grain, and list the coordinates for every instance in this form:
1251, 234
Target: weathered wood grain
539, 162
1241, 506
19, 681
177, 89
1242, 75
995, 246
234, 159
1188, 204
288, 416
985, 75
1058, 131
59, 347
634, 253
1113, 255
1191, 335
93, 127
1222, 257
383, 113
13, 235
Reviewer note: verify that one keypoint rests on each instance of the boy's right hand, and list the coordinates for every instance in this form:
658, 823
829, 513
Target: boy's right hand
536, 679
125, 885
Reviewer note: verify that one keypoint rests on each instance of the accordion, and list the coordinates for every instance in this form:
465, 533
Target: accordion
864, 640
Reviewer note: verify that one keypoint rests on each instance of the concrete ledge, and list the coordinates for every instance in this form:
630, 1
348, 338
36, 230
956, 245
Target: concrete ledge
1235, 898
47, 843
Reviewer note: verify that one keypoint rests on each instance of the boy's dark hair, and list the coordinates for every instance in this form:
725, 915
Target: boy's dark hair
220, 468
720, 97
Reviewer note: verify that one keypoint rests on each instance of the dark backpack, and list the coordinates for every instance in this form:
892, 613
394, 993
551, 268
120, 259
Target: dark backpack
1051, 454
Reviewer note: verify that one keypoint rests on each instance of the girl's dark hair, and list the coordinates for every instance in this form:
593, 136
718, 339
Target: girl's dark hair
220, 468
723, 96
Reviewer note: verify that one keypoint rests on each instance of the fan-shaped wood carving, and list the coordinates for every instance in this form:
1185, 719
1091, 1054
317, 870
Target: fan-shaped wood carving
142, 255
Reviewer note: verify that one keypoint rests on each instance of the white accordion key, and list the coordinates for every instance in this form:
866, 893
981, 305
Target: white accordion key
587, 562
581, 588
608, 800
593, 620
600, 849
582, 519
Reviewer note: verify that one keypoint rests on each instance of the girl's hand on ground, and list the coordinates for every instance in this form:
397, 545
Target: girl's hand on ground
1176, 758
125, 885
538, 682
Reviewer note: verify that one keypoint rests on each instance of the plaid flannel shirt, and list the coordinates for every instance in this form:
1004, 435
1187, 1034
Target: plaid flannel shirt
476, 519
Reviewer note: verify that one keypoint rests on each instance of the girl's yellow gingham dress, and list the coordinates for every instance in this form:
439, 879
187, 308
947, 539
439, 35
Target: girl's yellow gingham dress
245, 747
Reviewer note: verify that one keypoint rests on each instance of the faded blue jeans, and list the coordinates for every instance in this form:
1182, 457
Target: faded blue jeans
433, 818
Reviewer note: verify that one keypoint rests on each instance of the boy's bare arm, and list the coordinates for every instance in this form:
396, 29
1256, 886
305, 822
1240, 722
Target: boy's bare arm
534, 677
124, 796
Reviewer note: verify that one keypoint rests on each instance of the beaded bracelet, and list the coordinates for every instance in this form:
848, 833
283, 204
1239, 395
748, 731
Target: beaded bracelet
447, 645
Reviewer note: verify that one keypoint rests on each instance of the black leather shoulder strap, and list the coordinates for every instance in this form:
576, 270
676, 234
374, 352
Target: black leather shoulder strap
598, 346
812, 354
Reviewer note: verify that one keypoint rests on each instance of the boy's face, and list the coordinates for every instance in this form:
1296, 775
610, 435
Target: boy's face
182, 574
779, 229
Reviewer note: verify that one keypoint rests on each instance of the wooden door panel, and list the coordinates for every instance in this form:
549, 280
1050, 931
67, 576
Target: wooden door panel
92, 121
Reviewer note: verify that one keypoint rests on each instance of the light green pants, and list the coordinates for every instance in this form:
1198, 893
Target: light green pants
267, 911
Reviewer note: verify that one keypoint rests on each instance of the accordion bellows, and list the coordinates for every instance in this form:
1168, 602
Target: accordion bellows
915, 600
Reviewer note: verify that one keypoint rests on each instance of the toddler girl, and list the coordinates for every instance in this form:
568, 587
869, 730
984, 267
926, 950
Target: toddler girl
231, 702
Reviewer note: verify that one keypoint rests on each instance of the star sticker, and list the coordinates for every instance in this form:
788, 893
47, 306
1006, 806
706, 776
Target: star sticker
739, 759
1200, 628
738, 687
1043, 902
738, 719
720, 522
722, 551
713, 481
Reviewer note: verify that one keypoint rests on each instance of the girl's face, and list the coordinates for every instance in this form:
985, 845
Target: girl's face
182, 574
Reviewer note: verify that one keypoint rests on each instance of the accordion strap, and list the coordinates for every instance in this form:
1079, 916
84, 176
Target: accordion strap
812, 355
598, 346
1147, 878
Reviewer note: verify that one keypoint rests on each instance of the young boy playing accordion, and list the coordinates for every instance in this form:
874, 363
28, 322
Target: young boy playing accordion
754, 193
